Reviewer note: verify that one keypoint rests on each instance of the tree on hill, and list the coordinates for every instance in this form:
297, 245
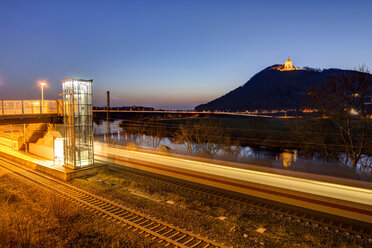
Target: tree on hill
271, 89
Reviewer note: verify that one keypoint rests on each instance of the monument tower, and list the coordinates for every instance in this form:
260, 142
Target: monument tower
288, 66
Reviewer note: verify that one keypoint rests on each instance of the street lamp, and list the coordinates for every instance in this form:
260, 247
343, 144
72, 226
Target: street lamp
42, 84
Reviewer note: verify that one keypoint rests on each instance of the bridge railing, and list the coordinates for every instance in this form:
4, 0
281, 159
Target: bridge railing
30, 107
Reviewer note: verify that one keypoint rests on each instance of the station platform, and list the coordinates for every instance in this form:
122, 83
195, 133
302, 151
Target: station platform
47, 166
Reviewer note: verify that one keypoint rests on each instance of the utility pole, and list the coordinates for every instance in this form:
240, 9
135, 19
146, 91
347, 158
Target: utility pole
108, 114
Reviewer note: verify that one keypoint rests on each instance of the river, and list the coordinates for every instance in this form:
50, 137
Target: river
264, 156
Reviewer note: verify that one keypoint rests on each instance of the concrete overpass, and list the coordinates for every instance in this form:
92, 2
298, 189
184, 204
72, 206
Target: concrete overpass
31, 111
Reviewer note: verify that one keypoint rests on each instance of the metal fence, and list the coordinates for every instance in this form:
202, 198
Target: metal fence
30, 107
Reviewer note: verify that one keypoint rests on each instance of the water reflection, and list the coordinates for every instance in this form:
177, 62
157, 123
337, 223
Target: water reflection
261, 156
287, 157
100, 127
284, 159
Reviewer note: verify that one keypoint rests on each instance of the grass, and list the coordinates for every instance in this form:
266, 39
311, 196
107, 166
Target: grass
33, 217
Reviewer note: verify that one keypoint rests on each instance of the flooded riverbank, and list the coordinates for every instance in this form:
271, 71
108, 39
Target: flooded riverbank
261, 156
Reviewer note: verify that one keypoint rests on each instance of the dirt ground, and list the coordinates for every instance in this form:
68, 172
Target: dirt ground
33, 217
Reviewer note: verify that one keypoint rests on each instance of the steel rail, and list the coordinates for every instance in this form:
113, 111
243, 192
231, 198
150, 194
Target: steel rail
263, 205
149, 226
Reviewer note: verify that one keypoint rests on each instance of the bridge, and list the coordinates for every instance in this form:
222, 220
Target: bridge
119, 114
31, 111
51, 111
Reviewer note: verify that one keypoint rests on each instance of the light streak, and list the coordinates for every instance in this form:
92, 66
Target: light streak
315, 187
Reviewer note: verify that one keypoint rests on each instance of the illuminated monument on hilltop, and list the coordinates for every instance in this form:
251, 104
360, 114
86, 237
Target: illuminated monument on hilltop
288, 66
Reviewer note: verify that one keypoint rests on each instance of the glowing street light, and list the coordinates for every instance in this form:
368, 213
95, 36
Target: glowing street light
42, 84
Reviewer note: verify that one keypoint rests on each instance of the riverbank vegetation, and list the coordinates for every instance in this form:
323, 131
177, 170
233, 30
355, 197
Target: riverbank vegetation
343, 118
311, 136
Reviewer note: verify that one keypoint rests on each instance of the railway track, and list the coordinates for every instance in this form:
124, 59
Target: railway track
149, 227
295, 214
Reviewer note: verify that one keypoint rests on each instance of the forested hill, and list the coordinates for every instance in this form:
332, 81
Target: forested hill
271, 89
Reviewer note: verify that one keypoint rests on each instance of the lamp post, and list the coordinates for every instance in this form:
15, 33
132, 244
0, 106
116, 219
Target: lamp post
42, 84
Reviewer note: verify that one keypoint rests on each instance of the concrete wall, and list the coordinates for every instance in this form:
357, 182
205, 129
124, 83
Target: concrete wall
44, 147
9, 142
42, 151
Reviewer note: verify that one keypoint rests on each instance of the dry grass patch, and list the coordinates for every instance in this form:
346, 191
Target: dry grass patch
200, 215
31, 216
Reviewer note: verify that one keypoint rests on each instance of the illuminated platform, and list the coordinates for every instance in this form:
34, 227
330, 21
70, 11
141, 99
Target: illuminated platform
49, 167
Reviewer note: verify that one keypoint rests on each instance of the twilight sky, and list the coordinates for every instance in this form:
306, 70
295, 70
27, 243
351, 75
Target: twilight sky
175, 53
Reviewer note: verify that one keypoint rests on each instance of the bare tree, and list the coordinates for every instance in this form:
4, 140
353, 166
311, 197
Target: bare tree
204, 135
232, 150
344, 113
134, 128
316, 135
150, 133
156, 132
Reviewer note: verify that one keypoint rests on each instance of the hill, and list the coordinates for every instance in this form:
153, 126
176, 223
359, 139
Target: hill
271, 89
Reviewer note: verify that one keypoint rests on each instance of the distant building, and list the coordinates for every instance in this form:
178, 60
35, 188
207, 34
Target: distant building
288, 66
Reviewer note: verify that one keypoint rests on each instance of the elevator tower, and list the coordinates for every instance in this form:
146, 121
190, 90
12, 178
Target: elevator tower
78, 122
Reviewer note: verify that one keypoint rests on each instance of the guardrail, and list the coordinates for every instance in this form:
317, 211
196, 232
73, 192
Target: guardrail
30, 107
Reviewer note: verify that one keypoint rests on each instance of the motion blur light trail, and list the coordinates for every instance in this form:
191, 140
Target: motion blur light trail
322, 196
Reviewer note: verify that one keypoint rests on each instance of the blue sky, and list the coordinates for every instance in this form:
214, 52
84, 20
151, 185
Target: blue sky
172, 54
